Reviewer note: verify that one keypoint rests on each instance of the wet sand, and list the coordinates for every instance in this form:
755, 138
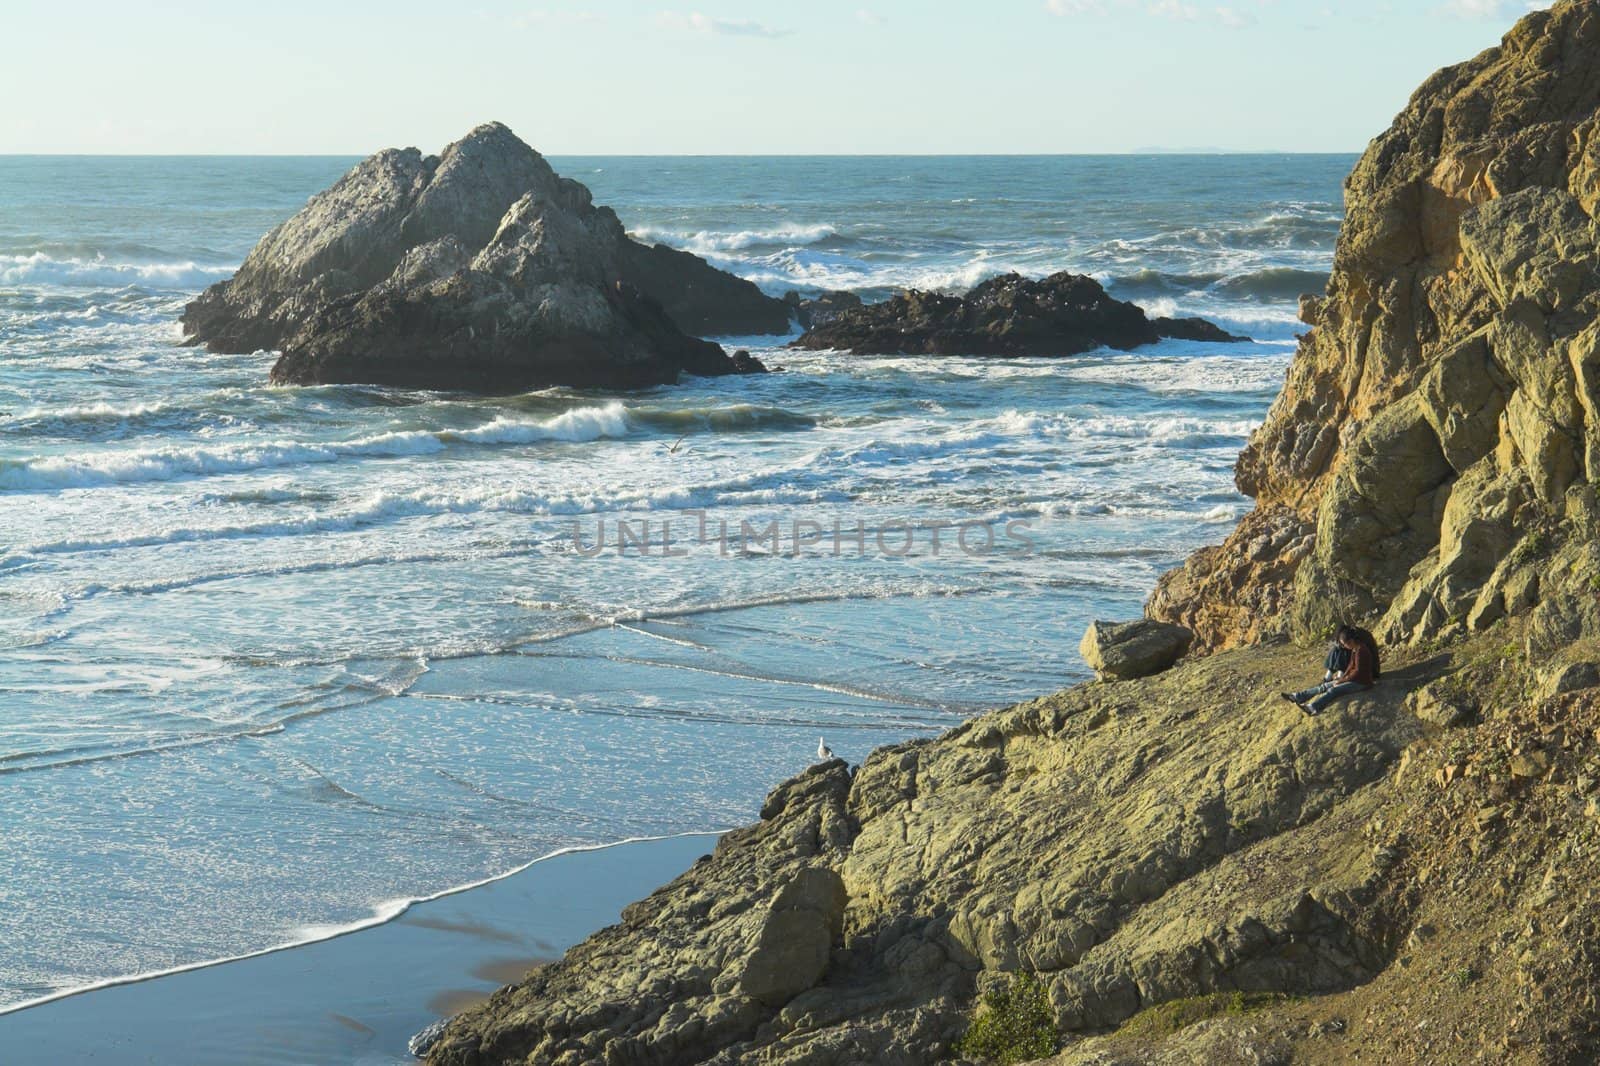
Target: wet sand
359, 997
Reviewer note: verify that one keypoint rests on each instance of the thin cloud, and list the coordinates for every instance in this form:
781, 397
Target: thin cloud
868, 18
1498, 10
696, 22
552, 17
1170, 10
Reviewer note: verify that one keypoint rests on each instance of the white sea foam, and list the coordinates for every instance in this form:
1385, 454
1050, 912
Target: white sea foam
706, 242
89, 412
42, 269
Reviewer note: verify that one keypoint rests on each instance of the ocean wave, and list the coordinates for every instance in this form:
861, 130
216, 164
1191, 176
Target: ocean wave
766, 488
1271, 284
88, 412
704, 242
44, 473
41, 269
724, 418
612, 420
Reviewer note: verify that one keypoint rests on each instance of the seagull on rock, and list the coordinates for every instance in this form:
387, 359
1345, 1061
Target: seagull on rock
824, 753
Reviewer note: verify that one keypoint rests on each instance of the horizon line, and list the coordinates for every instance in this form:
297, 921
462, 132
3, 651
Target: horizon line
705, 155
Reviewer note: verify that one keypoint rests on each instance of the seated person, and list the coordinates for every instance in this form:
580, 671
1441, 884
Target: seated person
1359, 672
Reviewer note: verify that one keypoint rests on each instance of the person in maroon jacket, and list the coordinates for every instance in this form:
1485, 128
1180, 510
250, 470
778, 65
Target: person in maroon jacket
1359, 674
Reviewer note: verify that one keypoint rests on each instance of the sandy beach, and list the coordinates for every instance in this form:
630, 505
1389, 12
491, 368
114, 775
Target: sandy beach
357, 997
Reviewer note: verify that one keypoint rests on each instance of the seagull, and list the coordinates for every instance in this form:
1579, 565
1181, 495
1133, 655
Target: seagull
824, 753
675, 445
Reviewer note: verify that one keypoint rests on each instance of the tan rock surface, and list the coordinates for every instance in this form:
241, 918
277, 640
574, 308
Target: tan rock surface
1442, 409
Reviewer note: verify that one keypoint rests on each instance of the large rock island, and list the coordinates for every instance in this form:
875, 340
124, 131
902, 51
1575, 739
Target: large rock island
478, 268
1184, 868
1063, 314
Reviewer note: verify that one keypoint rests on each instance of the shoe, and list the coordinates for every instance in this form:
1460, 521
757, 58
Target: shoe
1290, 697
1310, 711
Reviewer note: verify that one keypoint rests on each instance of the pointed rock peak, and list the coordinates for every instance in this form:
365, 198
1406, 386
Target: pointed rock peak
477, 179
489, 133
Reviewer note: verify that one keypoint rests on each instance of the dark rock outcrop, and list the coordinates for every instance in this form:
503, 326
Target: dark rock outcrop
479, 268
698, 297
1430, 464
821, 309
1063, 314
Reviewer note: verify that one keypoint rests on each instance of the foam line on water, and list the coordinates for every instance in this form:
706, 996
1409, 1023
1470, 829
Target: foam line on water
383, 913
821, 686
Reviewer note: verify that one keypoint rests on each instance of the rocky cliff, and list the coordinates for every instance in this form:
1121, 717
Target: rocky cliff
1185, 868
1181, 848
478, 268
1427, 466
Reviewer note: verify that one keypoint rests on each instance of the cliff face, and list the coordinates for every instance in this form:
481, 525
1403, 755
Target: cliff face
478, 268
1427, 465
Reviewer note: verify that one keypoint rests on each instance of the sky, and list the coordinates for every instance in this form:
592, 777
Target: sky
688, 77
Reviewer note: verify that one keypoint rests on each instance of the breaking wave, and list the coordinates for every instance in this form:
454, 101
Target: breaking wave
46, 270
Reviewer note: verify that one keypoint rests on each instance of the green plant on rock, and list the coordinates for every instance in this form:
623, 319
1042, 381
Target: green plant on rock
1533, 546
1013, 1024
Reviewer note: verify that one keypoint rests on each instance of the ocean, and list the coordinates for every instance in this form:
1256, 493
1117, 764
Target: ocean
274, 661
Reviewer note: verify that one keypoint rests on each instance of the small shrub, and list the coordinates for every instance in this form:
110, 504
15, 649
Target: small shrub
1463, 977
1533, 546
1015, 1024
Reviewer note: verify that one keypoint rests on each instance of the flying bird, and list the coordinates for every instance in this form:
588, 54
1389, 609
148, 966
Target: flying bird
824, 753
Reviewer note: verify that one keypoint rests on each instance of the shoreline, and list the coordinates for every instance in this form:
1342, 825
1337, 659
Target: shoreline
261, 1006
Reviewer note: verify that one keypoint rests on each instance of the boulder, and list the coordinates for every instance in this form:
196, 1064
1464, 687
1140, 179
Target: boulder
479, 268
1125, 650
1562, 678
1444, 707
1063, 314
796, 937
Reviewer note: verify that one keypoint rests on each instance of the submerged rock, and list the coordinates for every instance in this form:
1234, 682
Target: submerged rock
1431, 459
1063, 314
1125, 650
479, 268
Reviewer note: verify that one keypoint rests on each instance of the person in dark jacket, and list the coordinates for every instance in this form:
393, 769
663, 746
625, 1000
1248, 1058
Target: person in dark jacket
1359, 672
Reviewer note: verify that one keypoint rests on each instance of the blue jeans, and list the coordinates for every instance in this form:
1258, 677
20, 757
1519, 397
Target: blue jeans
1319, 696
